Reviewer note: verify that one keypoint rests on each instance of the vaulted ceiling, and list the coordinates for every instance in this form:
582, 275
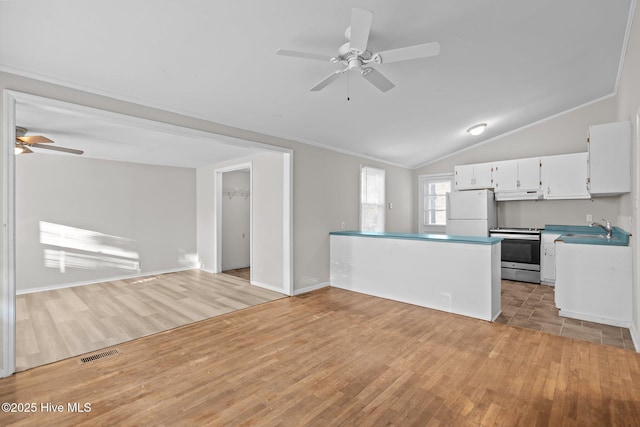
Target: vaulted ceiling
507, 63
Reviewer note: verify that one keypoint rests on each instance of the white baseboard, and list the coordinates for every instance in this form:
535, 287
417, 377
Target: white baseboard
310, 288
269, 287
595, 319
105, 279
635, 337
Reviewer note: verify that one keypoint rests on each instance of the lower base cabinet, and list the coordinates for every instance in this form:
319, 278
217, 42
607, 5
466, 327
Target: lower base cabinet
593, 283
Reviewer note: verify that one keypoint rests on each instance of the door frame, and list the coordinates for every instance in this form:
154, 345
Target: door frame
8, 244
218, 219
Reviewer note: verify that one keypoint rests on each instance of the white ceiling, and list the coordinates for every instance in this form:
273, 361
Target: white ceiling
113, 137
508, 63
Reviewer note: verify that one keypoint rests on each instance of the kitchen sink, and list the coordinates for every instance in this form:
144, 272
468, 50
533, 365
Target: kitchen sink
586, 236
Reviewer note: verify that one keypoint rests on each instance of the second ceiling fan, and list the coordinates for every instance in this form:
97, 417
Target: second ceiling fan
25, 143
355, 56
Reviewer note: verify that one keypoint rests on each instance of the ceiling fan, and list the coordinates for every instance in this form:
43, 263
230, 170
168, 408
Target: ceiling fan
24, 143
355, 56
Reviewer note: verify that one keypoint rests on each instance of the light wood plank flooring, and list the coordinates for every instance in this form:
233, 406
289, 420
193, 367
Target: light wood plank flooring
57, 324
338, 358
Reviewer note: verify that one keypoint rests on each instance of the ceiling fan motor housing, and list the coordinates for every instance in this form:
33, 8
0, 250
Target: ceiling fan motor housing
352, 58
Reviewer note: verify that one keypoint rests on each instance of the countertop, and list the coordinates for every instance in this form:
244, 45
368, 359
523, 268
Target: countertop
619, 237
476, 240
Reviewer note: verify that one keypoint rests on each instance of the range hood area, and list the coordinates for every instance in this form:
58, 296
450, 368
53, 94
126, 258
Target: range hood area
518, 195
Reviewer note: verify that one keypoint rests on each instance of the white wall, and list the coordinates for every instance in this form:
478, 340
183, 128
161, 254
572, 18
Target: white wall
146, 213
267, 197
235, 211
326, 193
628, 108
564, 133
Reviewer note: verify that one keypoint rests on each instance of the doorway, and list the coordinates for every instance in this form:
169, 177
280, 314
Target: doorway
236, 222
176, 134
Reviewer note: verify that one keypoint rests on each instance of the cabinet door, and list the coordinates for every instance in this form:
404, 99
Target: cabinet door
473, 177
610, 158
565, 176
528, 174
464, 177
505, 175
482, 174
548, 258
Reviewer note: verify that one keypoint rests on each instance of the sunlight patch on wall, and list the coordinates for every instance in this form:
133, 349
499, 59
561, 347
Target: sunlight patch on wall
190, 260
86, 249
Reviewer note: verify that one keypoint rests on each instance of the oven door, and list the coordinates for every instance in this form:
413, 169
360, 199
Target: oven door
521, 253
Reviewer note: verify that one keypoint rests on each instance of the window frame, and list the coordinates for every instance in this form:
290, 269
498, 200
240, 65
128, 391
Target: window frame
381, 205
422, 180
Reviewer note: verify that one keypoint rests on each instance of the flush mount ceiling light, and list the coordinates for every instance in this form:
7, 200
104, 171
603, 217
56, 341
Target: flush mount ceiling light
477, 129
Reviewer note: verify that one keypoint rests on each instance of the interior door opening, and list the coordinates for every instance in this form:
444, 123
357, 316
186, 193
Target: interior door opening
236, 223
274, 159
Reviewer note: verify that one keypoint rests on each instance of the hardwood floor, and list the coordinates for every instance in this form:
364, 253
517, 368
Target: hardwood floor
333, 357
54, 325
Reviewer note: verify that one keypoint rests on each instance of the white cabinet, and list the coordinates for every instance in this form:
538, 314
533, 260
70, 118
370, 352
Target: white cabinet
517, 179
548, 258
610, 158
565, 176
505, 175
472, 177
593, 283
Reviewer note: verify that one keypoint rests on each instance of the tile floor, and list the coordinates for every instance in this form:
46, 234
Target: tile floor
532, 306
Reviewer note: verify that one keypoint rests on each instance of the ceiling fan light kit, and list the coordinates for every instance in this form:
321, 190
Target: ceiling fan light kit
355, 56
22, 149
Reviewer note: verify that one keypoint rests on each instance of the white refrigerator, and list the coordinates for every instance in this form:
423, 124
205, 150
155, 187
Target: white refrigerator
471, 212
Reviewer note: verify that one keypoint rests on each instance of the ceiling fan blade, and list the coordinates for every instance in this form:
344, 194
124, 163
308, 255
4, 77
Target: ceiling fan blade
35, 139
377, 79
308, 55
54, 148
407, 53
327, 80
360, 28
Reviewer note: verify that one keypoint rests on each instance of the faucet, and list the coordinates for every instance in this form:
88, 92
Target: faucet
607, 227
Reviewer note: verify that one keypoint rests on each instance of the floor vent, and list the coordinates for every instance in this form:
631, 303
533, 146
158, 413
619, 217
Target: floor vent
97, 356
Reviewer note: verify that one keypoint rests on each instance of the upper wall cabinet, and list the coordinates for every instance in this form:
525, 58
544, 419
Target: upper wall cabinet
565, 176
517, 179
472, 177
610, 158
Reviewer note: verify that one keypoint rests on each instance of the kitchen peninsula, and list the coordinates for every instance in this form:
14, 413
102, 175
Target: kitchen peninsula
456, 274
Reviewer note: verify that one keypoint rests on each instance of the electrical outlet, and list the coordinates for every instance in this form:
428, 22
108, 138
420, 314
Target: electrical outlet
343, 225
589, 217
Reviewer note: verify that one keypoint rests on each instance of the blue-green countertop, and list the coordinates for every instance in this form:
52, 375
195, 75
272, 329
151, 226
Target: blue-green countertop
476, 240
619, 237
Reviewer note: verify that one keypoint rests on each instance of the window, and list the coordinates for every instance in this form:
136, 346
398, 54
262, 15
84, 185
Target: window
372, 199
433, 191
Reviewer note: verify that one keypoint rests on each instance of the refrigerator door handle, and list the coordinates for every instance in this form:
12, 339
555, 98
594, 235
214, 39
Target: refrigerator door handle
448, 205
